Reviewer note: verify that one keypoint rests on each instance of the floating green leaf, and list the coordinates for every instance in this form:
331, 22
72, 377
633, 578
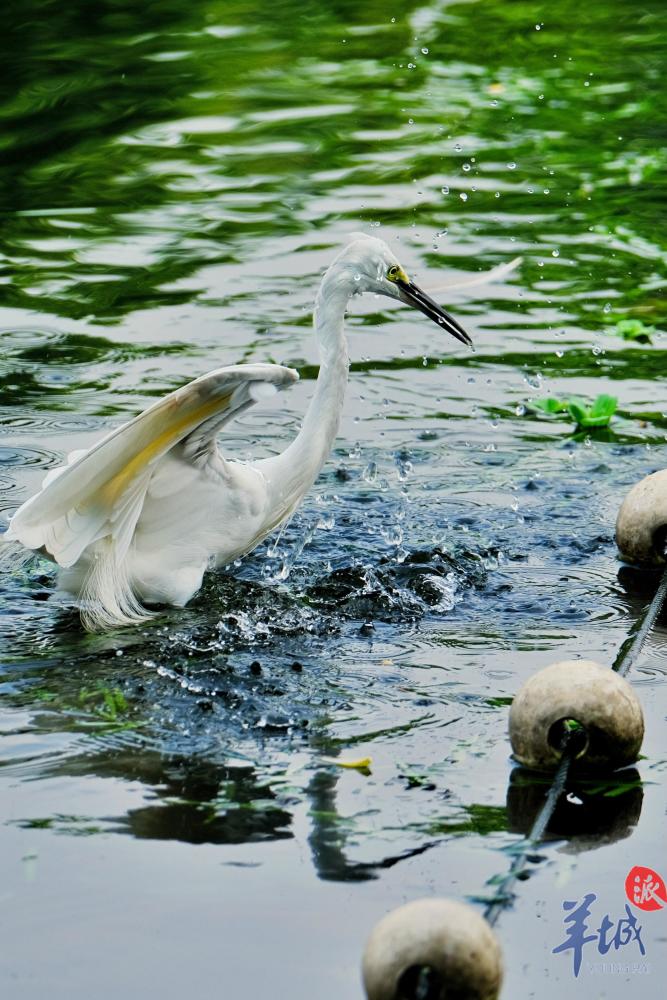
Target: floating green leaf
596, 414
603, 409
634, 329
578, 411
549, 405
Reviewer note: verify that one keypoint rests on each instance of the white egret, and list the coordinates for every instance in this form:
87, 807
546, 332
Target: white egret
136, 519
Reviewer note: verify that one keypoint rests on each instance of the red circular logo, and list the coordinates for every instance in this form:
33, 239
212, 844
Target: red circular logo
645, 889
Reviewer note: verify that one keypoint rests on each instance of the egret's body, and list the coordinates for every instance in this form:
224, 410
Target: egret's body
139, 517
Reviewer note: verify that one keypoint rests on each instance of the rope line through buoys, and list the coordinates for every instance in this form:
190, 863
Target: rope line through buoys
570, 747
633, 645
504, 896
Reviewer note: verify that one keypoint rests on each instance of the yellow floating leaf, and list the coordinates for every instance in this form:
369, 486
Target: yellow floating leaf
363, 764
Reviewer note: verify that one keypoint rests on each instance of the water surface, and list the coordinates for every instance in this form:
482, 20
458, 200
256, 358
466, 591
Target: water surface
175, 179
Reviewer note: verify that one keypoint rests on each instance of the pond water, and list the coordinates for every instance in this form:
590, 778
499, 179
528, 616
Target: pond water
175, 179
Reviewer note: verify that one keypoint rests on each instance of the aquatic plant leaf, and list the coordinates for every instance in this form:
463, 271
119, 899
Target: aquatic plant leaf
578, 411
634, 329
549, 405
603, 406
598, 414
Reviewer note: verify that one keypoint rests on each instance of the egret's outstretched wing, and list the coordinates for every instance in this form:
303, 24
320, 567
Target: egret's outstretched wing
100, 493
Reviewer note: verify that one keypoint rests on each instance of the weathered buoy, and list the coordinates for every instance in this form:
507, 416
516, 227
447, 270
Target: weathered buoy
609, 716
437, 948
641, 526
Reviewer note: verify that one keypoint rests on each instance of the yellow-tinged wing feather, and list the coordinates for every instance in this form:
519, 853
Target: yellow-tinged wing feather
101, 492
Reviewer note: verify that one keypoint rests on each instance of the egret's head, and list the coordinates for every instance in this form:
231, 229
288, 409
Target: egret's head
375, 268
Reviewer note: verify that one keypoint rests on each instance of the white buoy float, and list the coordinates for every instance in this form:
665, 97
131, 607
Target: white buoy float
439, 947
641, 527
609, 716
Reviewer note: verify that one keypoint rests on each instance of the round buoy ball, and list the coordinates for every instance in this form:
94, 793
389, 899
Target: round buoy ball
641, 526
576, 691
438, 942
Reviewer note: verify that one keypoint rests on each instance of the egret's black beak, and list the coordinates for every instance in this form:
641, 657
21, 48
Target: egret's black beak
412, 295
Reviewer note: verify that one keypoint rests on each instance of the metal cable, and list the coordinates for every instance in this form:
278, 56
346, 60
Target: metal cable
571, 746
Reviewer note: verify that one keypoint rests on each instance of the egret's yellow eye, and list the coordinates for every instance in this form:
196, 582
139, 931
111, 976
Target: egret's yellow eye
394, 273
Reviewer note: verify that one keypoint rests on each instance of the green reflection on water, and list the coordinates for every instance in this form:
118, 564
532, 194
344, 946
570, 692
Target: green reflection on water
144, 144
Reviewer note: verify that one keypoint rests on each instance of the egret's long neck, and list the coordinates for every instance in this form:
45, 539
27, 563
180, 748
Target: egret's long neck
298, 467
322, 419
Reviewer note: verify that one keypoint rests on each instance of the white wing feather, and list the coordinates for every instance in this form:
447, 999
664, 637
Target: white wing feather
101, 492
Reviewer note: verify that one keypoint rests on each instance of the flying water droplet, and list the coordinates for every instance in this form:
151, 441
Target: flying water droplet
370, 473
393, 535
404, 468
284, 571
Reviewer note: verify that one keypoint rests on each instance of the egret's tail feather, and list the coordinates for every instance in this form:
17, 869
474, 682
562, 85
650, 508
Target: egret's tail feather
107, 598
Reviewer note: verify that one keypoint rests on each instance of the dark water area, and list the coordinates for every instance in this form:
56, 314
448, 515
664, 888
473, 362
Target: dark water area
174, 178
